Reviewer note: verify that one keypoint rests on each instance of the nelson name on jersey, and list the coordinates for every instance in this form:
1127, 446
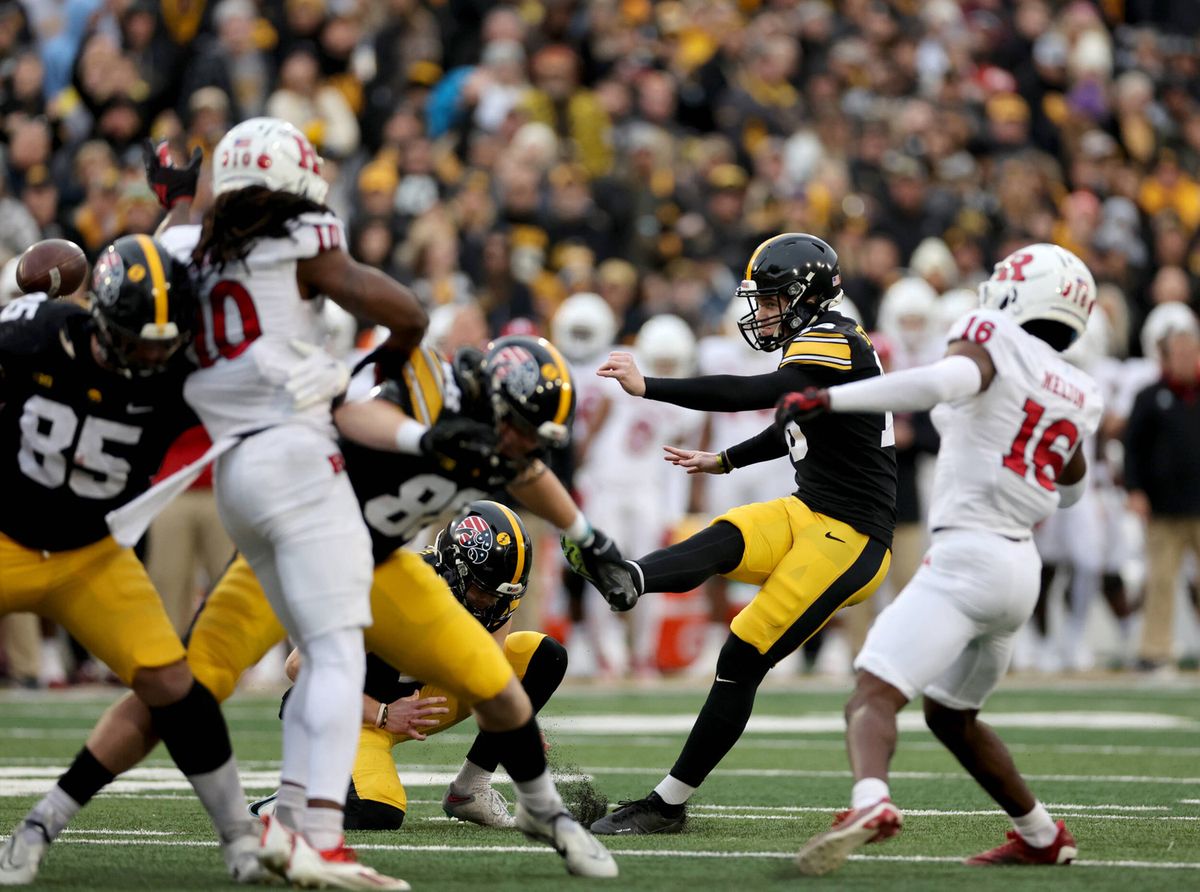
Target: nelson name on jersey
1069, 392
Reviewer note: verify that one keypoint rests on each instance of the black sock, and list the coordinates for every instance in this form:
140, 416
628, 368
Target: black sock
740, 670
543, 675
683, 566
193, 730
519, 750
85, 778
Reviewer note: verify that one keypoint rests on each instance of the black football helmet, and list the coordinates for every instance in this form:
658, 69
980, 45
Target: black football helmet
486, 547
799, 269
530, 385
143, 305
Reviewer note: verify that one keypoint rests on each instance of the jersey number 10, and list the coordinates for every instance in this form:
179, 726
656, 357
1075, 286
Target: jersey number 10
213, 340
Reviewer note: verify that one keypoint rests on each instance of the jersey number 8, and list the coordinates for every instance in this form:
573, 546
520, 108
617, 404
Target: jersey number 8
48, 435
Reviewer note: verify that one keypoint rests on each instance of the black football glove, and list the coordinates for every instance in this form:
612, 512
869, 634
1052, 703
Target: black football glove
170, 183
801, 406
599, 561
455, 441
468, 372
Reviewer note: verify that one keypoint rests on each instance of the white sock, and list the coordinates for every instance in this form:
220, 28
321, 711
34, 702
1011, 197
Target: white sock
470, 777
290, 803
539, 796
323, 827
674, 791
867, 792
335, 664
54, 811
289, 807
1037, 828
220, 791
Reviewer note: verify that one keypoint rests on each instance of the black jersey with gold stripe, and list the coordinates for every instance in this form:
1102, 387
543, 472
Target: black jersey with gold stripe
77, 439
401, 495
845, 464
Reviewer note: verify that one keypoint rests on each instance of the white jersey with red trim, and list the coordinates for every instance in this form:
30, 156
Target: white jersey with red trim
251, 312
1003, 448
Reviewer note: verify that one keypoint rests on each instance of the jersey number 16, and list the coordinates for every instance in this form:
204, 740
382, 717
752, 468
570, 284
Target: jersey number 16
1043, 459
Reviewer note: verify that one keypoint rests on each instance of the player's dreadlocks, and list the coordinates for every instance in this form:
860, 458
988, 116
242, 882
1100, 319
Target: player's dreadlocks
238, 219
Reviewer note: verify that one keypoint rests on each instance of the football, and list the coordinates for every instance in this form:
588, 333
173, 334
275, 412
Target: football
54, 266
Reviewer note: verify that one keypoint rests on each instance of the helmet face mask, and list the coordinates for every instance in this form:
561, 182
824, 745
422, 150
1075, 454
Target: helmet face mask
270, 153
531, 388
1042, 282
485, 556
790, 279
142, 305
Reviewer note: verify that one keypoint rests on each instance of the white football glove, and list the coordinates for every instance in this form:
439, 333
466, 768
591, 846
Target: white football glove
317, 378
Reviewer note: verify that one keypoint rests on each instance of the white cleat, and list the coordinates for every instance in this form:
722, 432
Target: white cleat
242, 861
22, 854
583, 853
275, 846
335, 869
484, 805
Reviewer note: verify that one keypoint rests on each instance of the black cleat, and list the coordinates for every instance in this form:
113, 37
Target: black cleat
602, 565
638, 817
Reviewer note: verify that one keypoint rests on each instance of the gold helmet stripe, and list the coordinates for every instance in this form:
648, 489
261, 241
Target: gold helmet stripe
564, 391
518, 538
754, 257
158, 280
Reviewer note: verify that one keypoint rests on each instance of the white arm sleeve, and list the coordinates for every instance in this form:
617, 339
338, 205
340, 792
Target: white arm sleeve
912, 390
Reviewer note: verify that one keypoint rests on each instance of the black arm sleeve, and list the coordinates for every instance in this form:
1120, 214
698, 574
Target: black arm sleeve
761, 447
730, 393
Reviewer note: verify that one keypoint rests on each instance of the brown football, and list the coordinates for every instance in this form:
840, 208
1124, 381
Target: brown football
55, 266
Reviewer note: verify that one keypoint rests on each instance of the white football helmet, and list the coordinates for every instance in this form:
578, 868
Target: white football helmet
583, 326
953, 305
667, 346
271, 153
1163, 321
1093, 346
1041, 281
908, 313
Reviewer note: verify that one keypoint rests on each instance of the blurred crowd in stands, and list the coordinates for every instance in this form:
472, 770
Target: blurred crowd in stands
501, 158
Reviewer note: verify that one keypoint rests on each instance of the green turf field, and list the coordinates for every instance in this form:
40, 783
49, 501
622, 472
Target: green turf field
1119, 760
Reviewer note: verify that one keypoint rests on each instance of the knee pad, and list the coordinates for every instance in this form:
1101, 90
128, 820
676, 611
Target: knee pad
540, 667
367, 814
742, 663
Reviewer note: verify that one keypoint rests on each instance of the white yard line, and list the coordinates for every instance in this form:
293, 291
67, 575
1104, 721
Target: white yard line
825, 722
1059, 806
639, 853
32, 780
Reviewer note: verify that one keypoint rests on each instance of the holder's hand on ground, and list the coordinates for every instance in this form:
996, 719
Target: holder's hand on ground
623, 368
695, 461
170, 183
407, 716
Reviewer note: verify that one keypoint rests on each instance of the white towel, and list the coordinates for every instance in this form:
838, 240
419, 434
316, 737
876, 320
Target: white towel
129, 522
